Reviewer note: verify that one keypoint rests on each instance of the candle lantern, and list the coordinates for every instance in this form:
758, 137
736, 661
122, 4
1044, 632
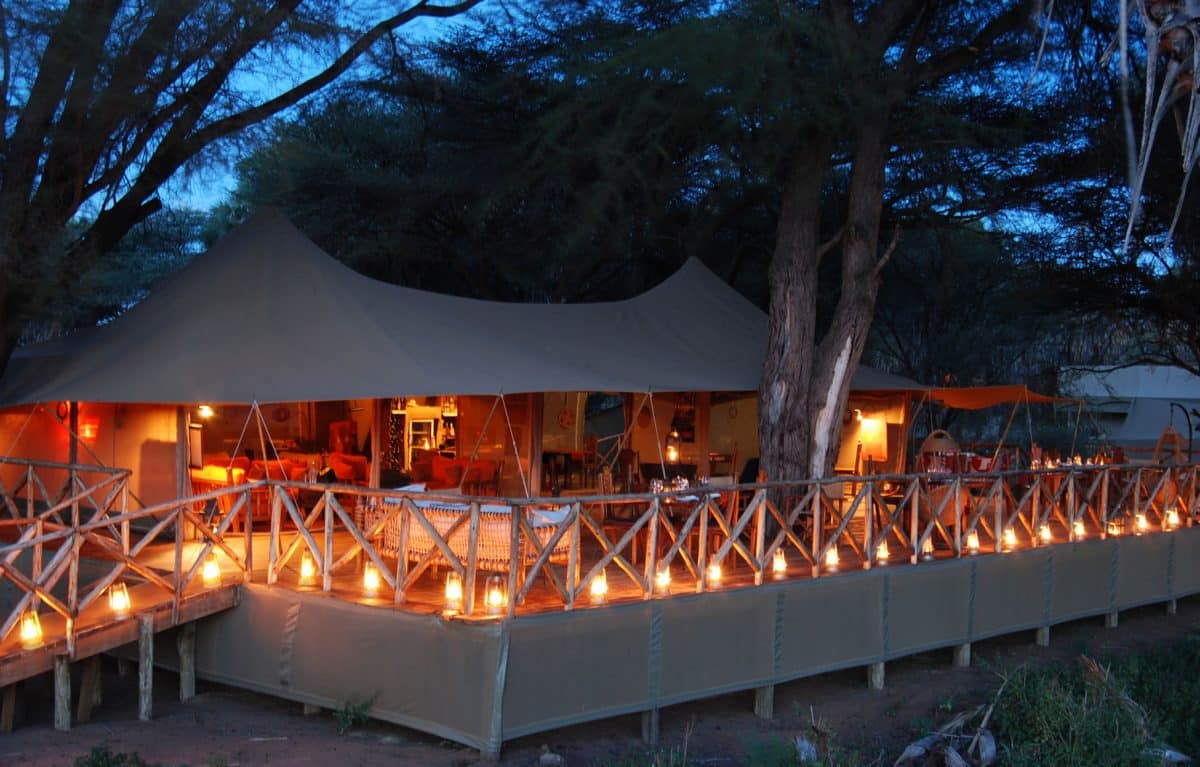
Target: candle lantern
308, 570
714, 575
1045, 534
927, 549
599, 588
779, 565
454, 591
370, 580
662, 580
1010, 539
31, 630
1172, 520
831, 559
881, 553
118, 599
1114, 527
973, 542
1079, 530
495, 597
1142, 524
210, 573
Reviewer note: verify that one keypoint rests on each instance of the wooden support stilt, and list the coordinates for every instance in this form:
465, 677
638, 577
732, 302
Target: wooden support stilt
650, 726
962, 655
310, 709
185, 643
875, 676
89, 689
8, 708
764, 702
1111, 620
145, 667
1172, 607
1043, 637
62, 693
122, 667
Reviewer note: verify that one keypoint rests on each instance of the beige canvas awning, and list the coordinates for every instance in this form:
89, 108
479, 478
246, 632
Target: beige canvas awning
267, 316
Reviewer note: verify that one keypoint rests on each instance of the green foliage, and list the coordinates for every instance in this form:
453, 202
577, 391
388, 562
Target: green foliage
675, 757
352, 714
1167, 683
102, 756
770, 752
1057, 715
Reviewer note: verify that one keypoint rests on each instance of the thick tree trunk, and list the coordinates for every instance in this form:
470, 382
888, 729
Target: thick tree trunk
806, 383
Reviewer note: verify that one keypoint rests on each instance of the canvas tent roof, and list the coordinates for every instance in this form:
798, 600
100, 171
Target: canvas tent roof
266, 315
1147, 418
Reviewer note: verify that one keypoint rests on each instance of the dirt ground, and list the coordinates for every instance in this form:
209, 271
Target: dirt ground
225, 726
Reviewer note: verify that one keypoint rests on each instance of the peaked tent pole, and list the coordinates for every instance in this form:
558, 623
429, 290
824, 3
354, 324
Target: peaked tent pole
657, 437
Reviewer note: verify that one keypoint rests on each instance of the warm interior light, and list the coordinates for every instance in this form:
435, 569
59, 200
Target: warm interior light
205, 411
672, 454
454, 591
89, 428
211, 572
1045, 534
973, 542
1010, 539
662, 580
1114, 528
1172, 519
1080, 530
858, 415
881, 552
927, 549
494, 597
714, 574
779, 564
118, 599
370, 580
31, 630
308, 570
1142, 524
831, 559
599, 588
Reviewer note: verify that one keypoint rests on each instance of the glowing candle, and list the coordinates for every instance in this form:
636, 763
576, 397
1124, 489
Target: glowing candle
973, 542
599, 588
1010, 539
118, 599
779, 565
881, 553
308, 571
662, 580
1172, 519
494, 596
370, 580
1080, 530
927, 549
1142, 524
454, 591
1045, 534
31, 630
714, 574
831, 559
211, 572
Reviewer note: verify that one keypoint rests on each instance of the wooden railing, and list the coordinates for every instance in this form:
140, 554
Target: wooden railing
752, 533
59, 516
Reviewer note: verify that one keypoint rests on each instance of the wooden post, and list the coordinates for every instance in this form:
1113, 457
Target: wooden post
145, 667
122, 667
1172, 607
89, 689
764, 702
62, 693
962, 655
8, 708
650, 726
1111, 620
185, 643
875, 675
1042, 638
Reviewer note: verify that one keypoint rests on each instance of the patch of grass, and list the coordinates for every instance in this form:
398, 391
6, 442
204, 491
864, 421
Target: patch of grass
1167, 683
102, 756
770, 752
674, 757
351, 714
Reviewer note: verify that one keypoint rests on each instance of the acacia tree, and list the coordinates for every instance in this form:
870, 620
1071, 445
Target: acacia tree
103, 101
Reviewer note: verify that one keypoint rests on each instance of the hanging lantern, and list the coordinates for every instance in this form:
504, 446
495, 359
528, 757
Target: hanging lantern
831, 559
1079, 529
714, 575
494, 596
454, 592
370, 580
673, 446
31, 630
927, 549
1010, 539
599, 588
308, 570
662, 580
881, 553
1142, 524
1045, 534
1172, 520
779, 565
211, 572
973, 542
118, 599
